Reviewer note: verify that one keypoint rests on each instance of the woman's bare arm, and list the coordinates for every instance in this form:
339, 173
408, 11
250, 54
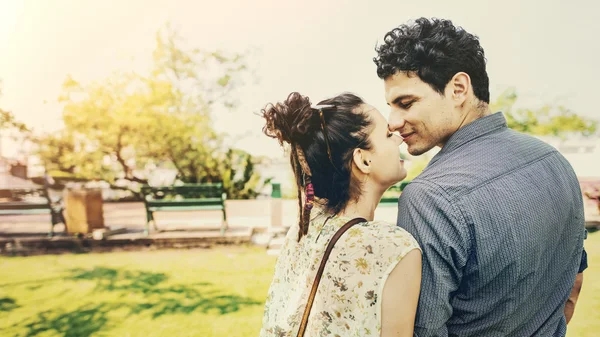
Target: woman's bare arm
401, 296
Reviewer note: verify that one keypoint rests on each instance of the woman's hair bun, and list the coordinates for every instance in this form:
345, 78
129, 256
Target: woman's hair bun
290, 121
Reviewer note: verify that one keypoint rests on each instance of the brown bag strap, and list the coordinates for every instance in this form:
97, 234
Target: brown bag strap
313, 291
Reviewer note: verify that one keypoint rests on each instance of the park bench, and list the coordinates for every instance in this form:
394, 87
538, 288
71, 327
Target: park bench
390, 197
18, 205
188, 197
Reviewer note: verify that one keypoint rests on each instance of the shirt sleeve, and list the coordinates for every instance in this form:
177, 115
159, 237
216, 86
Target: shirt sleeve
426, 212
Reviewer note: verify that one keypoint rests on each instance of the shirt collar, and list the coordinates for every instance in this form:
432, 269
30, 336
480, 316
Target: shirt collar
473, 130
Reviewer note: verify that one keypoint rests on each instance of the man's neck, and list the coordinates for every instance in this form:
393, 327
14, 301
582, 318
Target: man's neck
479, 111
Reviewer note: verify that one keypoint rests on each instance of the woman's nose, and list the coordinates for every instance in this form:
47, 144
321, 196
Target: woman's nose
399, 139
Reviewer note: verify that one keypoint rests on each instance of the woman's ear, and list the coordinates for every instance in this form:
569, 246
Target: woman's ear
361, 160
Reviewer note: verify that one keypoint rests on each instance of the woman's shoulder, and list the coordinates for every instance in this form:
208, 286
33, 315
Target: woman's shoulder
388, 238
380, 229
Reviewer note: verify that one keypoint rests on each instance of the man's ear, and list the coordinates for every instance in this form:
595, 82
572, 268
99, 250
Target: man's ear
459, 88
361, 160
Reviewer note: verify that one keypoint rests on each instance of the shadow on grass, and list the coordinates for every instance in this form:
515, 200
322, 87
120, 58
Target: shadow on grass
218, 304
82, 322
110, 279
161, 298
158, 298
8, 304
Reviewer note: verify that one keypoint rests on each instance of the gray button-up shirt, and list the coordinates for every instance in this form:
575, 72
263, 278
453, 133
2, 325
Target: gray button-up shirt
499, 217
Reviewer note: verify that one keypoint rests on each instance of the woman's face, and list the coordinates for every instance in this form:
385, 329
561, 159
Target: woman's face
386, 166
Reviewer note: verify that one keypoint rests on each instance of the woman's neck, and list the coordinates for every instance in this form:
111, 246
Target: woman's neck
365, 206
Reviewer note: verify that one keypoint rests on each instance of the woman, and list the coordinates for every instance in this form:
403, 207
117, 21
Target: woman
343, 158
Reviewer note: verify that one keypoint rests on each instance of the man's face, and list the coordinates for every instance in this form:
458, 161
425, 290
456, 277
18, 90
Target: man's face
422, 116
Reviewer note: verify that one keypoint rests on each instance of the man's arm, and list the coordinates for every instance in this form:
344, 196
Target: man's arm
572, 300
426, 212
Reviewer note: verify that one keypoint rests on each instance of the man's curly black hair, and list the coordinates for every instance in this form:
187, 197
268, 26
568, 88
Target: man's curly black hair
435, 50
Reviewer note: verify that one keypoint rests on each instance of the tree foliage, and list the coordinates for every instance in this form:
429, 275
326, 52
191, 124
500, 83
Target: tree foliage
122, 128
549, 120
8, 121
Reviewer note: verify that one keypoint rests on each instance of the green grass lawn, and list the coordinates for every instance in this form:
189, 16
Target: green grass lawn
216, 292
586, 321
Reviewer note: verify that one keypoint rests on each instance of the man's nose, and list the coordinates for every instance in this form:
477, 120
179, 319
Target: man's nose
395, 122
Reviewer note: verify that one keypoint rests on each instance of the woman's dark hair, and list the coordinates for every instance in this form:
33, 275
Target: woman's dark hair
295, 122
435, 50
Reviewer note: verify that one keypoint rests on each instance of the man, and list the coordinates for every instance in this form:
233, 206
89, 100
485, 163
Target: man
498, 214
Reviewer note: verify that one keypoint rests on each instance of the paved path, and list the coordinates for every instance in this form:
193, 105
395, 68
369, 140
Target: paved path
245, 218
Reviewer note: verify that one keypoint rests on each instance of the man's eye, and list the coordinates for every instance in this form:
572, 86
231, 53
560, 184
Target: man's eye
406, 105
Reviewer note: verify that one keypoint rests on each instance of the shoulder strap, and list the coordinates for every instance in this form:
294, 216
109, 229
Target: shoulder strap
313, 291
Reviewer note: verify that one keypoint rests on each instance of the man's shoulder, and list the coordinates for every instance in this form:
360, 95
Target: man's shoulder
483, 160
427, 196
509, 142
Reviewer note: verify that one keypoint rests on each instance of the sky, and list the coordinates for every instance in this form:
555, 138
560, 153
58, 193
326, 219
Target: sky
319, 48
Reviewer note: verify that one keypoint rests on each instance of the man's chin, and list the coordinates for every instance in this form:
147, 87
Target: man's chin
413, 151
417, 149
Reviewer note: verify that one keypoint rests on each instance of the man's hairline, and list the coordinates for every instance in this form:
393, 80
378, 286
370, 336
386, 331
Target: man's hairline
412, 73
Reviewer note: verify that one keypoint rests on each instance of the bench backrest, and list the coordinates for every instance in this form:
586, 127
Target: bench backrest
20, 204
392, 198
19, 193
23, 206
399, 187
187, 191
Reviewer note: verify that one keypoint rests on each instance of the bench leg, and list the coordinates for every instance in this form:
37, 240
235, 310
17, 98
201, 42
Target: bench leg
147, 229
53, 219
51, 232
224, 224
56, 217
149, 218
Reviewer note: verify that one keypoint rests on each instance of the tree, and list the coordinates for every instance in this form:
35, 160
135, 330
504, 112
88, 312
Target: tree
549, 120
119, 129
8, 121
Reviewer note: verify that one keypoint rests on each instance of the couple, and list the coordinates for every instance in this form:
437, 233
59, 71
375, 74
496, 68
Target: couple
489, 237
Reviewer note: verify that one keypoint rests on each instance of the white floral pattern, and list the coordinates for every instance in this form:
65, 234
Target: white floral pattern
348, 301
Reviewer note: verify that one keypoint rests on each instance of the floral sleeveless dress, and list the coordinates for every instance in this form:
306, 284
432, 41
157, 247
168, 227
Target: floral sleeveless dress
348, 300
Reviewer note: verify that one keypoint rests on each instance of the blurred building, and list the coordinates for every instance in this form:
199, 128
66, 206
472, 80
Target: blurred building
582, 153
13, 175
